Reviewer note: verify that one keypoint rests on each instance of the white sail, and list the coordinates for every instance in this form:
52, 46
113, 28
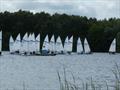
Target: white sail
0, 41
11, 44
52, 44
79, 46
86, 46
113, 46
66, 48
17, 44
46, 44
37, 43
31, 37
59, 46
31, 43
70, 44
18, 37
25, 43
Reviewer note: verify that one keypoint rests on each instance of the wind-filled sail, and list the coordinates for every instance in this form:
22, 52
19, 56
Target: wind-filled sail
17, 43
31, 42
11, 44
70, 43
25, 43
46, 44
37, 43
113, 46
52, 44
66, 48
86, 46
59, 46
0, 41
79, 46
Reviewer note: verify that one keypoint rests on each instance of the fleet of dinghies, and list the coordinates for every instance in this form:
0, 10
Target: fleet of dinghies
30, 45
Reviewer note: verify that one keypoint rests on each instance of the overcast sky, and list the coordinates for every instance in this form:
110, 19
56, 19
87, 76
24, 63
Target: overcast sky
91, 8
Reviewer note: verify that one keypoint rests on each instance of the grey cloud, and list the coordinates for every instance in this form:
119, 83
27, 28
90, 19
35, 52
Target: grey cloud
94, 8
69, 8
36, 5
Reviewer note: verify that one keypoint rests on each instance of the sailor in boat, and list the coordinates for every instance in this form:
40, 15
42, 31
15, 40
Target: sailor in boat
44, 51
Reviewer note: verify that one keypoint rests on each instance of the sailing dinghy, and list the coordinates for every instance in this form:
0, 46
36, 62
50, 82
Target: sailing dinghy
112, 48
37, 45
31, 44
59, 46
11, 45
66, 48
25, 45
86, 47
79, 46
52, 46
17, 44
68, 45
46, 46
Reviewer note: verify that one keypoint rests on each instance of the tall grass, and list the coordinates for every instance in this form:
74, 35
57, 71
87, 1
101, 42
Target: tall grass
65, 84
116, 72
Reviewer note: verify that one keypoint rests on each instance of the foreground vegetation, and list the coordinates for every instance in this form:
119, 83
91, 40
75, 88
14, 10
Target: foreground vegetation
66, 84
99, 33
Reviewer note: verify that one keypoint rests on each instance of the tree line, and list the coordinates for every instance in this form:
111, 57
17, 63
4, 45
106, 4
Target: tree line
99, 33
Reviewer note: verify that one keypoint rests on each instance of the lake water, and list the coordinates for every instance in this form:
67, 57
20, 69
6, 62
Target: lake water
40, 72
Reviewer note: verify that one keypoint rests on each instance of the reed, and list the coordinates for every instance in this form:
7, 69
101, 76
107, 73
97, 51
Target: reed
67, 85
